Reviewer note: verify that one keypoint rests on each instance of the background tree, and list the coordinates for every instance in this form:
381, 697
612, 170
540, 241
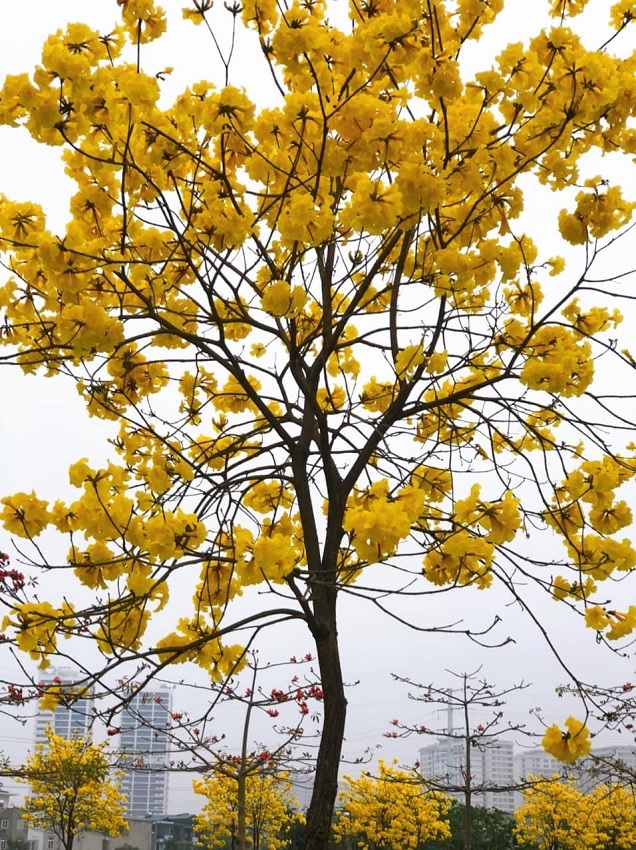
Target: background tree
18, 844
270, 810
492, 829
72, 789
390, 810
614, 709
315, 326
554, 816
291, 706
557, 816
245, 769
613, 816
470, 695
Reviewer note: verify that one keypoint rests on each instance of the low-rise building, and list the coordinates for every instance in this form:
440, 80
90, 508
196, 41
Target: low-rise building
13, 830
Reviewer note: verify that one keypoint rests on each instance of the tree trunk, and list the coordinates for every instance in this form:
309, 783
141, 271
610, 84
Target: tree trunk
335, 709
468, 795
241, 828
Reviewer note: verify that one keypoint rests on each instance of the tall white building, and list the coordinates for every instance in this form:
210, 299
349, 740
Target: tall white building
491, 768
536, 762
67, 721
144, 744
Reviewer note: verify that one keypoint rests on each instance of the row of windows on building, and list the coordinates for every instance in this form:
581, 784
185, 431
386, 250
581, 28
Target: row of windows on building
499, 766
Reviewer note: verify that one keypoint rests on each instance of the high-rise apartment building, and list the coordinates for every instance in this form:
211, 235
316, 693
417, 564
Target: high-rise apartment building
145, 746
534, 762
67, 721
491, 771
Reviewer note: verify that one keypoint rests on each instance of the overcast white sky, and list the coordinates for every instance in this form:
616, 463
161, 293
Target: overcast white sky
43, 428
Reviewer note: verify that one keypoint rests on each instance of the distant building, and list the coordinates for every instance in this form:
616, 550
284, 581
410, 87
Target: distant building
535, 762
491, 768
302, 787
67, 721
171, 832
12, 827
144, 744
606, 765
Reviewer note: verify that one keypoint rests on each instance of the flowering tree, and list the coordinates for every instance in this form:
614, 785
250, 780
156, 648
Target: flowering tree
249, 796
72, 789
313, 324
392, 810
556, 816
552, 817
270, 810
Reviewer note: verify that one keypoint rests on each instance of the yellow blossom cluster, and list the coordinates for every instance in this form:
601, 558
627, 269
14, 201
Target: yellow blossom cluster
555, 813
587, 514
377, 521
570, 745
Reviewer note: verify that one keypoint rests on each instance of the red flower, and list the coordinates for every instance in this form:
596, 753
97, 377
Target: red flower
15, 693
113, 730
279, 696
272, 712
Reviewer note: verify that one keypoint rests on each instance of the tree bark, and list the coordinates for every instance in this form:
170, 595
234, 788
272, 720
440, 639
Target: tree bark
335, 710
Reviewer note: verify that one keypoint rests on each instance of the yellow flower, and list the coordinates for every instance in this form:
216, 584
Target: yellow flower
281, 300
24, 514
596, 618
570, 745
197, 15
331, 398
407, 361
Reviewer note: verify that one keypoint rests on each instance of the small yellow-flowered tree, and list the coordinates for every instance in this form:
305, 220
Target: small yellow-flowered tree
555, 815
270, 809
333, 355
391, 810
72, 789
